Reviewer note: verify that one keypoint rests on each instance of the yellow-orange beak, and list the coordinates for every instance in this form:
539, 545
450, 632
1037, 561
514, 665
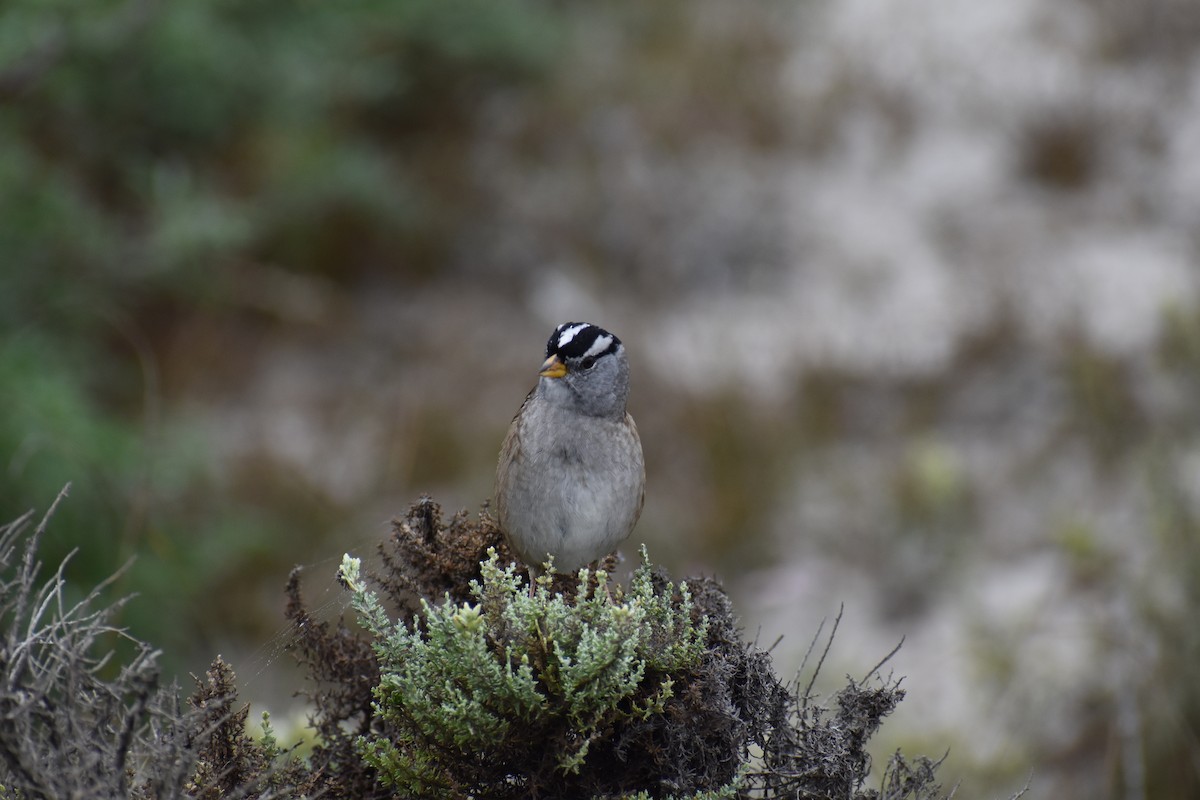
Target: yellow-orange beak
553, 367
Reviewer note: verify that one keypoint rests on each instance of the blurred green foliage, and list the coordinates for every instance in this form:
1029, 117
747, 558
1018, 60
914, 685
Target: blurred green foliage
152, 156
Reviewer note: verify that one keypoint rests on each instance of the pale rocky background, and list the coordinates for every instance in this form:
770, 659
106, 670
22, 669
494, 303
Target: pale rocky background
911, 294
910, 291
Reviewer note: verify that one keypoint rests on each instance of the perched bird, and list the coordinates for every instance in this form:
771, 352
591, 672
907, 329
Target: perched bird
570, 481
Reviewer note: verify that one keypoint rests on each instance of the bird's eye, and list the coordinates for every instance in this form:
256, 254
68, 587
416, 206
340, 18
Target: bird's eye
588, 362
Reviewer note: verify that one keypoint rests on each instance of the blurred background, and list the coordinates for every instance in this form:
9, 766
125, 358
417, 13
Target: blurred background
910, 291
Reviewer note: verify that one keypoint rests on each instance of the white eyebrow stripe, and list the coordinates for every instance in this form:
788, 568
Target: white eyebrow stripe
601, 344
568, 334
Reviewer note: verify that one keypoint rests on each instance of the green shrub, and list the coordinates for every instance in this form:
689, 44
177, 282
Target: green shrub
521, 677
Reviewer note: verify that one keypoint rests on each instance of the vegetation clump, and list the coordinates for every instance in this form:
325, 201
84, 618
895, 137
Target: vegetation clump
524, 678
72, 724
76, 723
576, 688
227, 761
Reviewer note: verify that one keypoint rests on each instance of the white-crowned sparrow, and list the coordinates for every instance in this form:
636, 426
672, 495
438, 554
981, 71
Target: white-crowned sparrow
571, 479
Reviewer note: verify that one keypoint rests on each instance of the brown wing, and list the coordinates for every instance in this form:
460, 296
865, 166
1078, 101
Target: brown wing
510, 453
638, 442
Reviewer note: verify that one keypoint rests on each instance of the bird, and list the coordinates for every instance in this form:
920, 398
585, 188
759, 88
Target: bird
571, 478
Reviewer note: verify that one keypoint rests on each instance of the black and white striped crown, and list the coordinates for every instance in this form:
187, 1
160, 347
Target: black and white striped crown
579, 340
